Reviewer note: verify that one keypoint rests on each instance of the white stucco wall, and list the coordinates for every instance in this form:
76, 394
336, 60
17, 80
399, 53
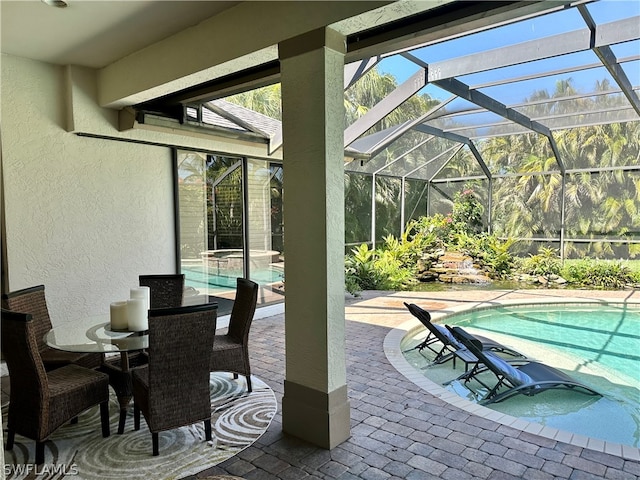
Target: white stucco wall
84, 216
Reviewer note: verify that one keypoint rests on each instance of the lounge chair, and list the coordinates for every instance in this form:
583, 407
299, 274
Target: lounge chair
446, 347
529, 378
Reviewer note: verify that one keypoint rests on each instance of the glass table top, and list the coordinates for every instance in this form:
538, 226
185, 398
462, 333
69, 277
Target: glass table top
95, 335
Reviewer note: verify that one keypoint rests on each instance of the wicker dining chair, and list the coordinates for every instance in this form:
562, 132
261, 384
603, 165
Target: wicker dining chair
32, 300
167, 290
173, 389
231, 350
39, 401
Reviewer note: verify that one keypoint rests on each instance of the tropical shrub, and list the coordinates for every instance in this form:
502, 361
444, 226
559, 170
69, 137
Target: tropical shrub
367, 269
406, 250
598, 274
395, 264
545, 263
467, 212
435, 231
489, 252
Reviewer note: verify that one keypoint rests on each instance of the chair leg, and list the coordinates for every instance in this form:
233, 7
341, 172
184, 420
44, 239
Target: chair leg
235, 376
104, 419
136, 417
207, 429
154, 440
249, 383
11, 434
39, 453
122, 420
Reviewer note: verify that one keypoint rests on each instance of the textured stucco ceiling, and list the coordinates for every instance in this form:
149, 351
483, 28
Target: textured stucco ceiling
95, 33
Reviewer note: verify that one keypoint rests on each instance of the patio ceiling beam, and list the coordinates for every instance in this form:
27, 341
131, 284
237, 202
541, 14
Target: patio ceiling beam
609, 60
384, 107
254, 62
255, 77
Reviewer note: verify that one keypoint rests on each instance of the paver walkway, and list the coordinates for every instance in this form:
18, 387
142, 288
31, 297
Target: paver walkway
399, 431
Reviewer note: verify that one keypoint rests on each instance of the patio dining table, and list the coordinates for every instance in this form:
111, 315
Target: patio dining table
94, 334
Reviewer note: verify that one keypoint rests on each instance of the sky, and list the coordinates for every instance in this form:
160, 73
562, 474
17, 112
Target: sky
602, 11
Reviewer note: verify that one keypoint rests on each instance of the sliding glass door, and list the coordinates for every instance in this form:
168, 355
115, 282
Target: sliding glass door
265, 228
230, 222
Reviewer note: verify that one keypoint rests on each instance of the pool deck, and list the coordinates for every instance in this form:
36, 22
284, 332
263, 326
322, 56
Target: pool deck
403, 428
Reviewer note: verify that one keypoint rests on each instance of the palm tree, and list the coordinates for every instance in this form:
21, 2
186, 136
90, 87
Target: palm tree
265, 100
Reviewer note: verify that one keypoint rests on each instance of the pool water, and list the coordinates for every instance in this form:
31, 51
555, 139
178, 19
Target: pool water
197, 276
598, 345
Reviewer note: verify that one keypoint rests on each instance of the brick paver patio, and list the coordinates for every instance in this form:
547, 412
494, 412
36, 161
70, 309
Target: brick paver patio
400, 431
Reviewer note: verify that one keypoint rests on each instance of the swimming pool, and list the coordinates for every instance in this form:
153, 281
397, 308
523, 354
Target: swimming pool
199, 276
597, 344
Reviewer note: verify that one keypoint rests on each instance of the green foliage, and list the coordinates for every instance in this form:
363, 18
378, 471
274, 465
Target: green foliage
467, 212
598, 274
393, 266
406, 252
545, 263
367, 269
434, 232
489, 252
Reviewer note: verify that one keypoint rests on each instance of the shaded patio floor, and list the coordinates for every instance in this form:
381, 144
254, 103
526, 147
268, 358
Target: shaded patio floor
399, 430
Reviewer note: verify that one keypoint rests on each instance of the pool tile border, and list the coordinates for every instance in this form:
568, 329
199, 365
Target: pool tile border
394, 354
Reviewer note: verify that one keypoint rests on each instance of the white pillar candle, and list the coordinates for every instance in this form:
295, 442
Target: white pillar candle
142, 292
119, 316
138, 314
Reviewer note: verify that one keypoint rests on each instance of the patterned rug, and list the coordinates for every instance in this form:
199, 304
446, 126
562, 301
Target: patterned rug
79, 451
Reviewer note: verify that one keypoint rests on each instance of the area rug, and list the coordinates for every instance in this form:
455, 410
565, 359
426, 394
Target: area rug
79, 451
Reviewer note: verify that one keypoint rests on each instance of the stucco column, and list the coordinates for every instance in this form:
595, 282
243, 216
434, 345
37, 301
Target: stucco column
315, 405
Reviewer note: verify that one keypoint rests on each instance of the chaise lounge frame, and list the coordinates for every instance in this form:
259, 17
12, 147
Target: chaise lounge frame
520, 376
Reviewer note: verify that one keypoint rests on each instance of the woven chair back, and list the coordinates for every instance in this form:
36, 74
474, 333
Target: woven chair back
166, 290
180, 343
31, 300
27, 375
244, 308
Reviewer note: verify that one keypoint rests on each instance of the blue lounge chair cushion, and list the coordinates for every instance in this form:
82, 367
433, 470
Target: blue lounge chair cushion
448, 335
514, 375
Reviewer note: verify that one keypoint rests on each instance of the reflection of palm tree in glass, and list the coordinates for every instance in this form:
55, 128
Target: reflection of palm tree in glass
224, 181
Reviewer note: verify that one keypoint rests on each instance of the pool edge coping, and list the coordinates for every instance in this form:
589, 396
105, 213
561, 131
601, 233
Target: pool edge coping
393, 352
